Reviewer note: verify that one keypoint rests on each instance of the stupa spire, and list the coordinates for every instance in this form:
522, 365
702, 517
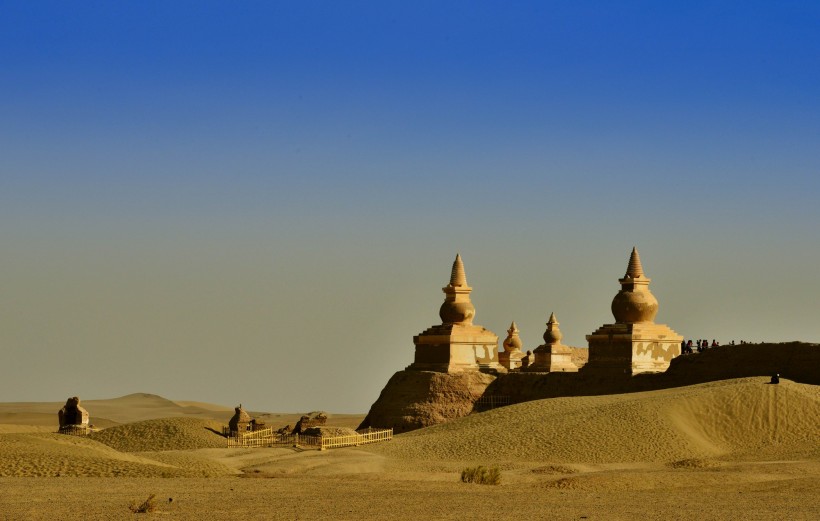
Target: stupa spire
634, 268
634, 303
513, 328
457, 308
457, 276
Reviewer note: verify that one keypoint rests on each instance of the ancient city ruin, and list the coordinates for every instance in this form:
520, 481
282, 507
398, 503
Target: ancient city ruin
73, 418
242, 422
634, 343
311, 431
457, 364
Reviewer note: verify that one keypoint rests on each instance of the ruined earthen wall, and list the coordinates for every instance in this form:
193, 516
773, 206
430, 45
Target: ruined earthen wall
415, 399
794, 361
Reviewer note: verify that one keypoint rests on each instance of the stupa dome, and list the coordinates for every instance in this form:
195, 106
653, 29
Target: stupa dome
552, 335
240, 420
634, 303
513, 341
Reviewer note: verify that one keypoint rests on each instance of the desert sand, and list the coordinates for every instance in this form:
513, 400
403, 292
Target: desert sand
732, 449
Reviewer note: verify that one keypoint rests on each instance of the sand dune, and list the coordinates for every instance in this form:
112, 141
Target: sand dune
744, 449
735, 418
151, 448
143, 406
34, 416
113, 411
204, 406
59, 455
163, 434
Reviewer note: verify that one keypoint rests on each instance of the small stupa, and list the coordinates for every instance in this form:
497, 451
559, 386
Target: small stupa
553, 356
72, 416
457, 344
528, 359
240, 422
634, 343
512, 356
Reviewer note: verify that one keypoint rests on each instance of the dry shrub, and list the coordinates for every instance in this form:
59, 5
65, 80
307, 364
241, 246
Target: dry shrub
693, 463
256, 473
147, 506
563, 484
481, 475
553, 469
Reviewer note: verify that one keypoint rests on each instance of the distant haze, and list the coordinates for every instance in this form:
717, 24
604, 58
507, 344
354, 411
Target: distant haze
260, 204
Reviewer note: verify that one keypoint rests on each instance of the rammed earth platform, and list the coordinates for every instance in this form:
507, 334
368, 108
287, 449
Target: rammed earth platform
414, 399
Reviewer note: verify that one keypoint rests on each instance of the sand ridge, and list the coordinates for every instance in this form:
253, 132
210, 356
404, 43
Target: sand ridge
113, 411
44, 455
733, 449
726, 418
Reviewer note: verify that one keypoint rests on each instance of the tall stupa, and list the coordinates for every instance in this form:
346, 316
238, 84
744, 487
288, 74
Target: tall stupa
457, 344
634, 343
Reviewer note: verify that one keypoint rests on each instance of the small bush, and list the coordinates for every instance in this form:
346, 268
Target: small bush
145, 507
481, 475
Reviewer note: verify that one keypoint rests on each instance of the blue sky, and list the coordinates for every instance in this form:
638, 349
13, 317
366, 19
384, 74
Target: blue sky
288, 183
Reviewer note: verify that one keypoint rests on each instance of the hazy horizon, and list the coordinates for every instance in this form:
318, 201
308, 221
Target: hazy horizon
260, 203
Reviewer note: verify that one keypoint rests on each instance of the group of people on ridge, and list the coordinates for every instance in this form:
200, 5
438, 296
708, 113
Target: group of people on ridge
686, 346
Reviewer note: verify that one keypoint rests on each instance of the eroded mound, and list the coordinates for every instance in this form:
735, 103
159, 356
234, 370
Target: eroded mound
330, 431
414, 399
162, 435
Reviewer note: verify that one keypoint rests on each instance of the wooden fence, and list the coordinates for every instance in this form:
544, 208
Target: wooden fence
491, 401
268, 438
76, 430
360, 438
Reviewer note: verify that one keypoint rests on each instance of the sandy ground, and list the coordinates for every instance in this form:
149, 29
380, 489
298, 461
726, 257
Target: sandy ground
736, 449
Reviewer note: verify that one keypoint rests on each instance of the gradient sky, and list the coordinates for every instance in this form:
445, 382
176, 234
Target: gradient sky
259, 202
